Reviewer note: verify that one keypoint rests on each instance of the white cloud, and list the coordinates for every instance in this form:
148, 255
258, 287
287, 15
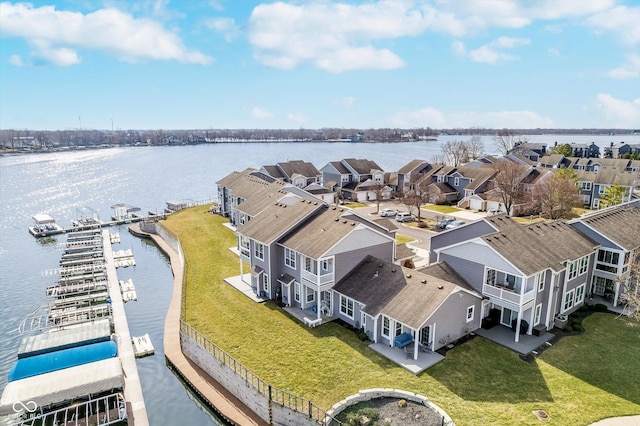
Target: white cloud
261, 113
348, 101
621, 21
16, 60
225, 26
491, 53
340, 36
631, 69
431, 117
617, 113
56, 36
554, 51
297, 118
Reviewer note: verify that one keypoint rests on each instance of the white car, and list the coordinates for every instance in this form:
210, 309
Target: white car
455, 224
388, 213
405, 217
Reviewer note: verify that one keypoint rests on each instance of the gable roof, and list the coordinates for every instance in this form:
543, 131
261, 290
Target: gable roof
299, 167
273, 171
537, 246
362, 166
247, 183
276, 220
411, 166
406, 295
620, 224
319, 233
608, 176
340, 167
268, 196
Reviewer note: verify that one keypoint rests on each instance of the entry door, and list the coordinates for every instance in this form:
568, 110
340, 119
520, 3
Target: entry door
425, 337
599, 286
508, 316
325, 302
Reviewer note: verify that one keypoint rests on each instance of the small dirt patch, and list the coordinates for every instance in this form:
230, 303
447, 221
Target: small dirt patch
391, 414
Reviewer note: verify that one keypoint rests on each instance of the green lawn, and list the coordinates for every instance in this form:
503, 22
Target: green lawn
402, 239
440, 209
578, 381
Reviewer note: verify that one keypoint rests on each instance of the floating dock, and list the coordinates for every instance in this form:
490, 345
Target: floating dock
142, 346
51, 228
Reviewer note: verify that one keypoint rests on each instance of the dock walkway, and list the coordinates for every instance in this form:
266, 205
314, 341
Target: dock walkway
226, 404
136, 408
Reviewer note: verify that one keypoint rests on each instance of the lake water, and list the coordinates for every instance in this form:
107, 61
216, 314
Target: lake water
68, 185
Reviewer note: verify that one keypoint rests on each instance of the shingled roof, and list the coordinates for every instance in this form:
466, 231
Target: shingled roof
537, 246
277, 219
620, 224
321, 232
406, 295
362, 166
300, 167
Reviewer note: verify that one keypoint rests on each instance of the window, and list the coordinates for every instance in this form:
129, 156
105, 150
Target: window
244, 246
456, 181
568, 300
346, 306
325, 265
385, 326
536, 315
540, 280
584, 185
297, 292
307, 264
579, 295
583, 263
491, 276
398, 328
265, 283
311, 295
470, 310
573, 270
608, 261
259, 250
290, 258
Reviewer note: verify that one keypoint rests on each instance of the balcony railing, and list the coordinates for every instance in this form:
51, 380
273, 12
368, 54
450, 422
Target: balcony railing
507, 293
317, 279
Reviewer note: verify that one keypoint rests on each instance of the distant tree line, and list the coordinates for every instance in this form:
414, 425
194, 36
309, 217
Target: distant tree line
25, 139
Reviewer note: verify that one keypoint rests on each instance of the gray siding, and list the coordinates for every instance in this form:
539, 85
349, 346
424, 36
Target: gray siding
472, 272
481, 254
598, 238
450, 318
454, 236
345, 262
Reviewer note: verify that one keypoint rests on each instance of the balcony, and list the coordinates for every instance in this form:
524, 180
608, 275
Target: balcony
318, 280
507, 293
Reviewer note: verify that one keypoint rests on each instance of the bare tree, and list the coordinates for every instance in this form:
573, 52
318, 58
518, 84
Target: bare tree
475, 147
455, 152
630, 282
418, 195
507, 140
508, 182
377, 191
557, 195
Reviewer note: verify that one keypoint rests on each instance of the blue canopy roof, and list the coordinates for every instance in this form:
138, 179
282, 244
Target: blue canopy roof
58, 360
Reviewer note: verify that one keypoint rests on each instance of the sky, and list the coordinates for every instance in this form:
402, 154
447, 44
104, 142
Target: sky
319, 64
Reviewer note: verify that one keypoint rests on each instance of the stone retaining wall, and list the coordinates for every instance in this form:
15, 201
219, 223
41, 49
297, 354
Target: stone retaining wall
369, 394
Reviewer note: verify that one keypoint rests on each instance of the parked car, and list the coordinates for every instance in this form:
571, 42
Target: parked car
442, 224
405, 217
493, 212
455, 224
388, 213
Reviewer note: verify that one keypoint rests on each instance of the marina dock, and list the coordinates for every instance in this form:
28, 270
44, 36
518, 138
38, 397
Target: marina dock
77, 346
51, 228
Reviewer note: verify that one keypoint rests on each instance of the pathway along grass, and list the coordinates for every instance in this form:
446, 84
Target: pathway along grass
580, 380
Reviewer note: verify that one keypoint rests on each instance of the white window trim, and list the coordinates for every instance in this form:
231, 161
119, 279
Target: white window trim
581, 287
537, 314
259, 253
348, 303
541, 277
567, 300
296, 294
290, 258
471, 313
388, 327
265, 283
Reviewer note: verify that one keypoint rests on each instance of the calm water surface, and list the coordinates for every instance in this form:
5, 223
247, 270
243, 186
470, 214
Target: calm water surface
69, 185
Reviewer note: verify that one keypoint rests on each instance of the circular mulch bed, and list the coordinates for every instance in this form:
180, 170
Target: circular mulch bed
390, 413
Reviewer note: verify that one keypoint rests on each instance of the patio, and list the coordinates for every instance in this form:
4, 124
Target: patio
300, 314
505, 336
241, 283
404, 357
621, 309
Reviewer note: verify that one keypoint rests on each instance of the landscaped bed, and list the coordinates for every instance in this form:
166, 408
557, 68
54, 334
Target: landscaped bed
390, 412
579, 380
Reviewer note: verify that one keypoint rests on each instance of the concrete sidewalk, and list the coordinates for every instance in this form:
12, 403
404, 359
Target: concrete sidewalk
619, 421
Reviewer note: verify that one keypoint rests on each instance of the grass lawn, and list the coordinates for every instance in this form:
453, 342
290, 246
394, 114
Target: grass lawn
528, 220
578, 381
402, 239
440, 209
354, 205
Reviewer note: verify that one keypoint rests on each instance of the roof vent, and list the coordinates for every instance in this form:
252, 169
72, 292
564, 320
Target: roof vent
333, 208
337, 219
380, 265
344, 221
423, 281
353, 223
315, 204
440, 287
394, 270
408, 275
